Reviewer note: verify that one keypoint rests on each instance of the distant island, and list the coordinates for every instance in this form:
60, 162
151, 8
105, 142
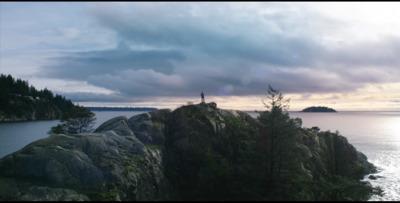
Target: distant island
120, 108
318, 109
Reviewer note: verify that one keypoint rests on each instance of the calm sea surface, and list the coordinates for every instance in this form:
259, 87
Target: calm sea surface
376, 134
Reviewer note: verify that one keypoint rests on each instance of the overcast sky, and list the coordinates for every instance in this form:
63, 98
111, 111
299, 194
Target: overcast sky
163, 54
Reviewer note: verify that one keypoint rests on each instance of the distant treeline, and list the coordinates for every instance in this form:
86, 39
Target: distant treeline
120, 108
19, 101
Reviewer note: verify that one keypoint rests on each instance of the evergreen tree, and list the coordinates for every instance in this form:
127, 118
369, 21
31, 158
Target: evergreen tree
274, 120
76, 120
278, 144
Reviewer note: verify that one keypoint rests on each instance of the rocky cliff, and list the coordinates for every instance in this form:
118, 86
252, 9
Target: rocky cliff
187, 154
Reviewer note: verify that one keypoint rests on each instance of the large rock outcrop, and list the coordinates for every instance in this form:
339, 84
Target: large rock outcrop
143, 157
334, 155
111, 164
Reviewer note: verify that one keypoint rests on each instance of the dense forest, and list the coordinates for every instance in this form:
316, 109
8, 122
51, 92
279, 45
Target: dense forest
19, 101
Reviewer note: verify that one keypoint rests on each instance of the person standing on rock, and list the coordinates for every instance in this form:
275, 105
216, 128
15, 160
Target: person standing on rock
202, 97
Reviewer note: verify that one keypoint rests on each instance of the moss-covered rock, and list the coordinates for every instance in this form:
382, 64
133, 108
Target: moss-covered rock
92, 164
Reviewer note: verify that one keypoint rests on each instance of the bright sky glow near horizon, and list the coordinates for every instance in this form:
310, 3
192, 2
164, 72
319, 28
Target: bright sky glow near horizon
344, 55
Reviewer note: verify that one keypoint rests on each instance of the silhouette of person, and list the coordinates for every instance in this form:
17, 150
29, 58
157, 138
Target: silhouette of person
202, 96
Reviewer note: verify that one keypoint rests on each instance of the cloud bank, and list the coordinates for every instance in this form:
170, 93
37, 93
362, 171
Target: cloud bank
174, 49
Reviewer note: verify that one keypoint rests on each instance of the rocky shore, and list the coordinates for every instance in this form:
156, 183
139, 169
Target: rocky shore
125, 159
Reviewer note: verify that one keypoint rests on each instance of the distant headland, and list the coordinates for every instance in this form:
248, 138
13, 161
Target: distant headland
318, 109
20, 101
120, 108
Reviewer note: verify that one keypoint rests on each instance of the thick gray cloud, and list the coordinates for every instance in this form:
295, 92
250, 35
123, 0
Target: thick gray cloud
81, 65
180, 49
212, 30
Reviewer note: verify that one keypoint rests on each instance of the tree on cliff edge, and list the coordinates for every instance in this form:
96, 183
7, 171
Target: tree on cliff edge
76, 120
275, 121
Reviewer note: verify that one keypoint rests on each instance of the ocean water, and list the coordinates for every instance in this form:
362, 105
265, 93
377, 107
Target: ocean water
376, 134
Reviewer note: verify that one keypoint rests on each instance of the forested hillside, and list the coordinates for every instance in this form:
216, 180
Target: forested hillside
19, 101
